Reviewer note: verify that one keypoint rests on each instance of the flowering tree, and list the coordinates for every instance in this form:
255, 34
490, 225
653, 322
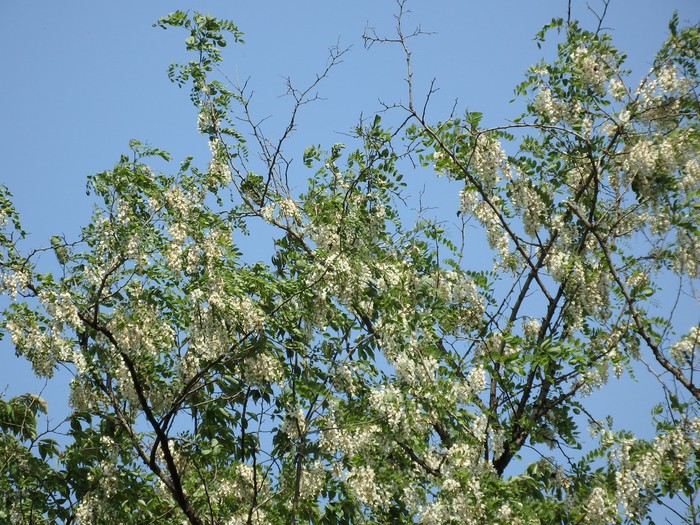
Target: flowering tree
368, 373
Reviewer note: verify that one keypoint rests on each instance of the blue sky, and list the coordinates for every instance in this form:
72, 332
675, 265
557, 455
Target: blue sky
81, 78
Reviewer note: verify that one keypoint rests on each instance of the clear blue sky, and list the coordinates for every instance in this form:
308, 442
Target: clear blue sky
81, 78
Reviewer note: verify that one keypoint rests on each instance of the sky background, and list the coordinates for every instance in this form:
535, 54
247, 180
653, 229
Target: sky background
81, 78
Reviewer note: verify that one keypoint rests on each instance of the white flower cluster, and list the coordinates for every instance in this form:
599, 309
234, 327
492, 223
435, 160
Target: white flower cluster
687, 254
206, 119
14, 282
547, 107
690, 175
638, 473
529, 203
209, 337
81, 396
256, 516
335, 439
435, 513
142, 331
219, 170
468, 199
496, 236
89, 510
246, 313
180, 203
287, 208
415, 369
592, 68
464, 506
594, 378
637, 279
644, 159
531, 328
664, 80
550, 109
175, 248
487, 160
362, 485
579, 274
600, 509
343, 379
326, 236
94, 507
340, 277
596, 283
61, 308
243, 484
387, 401
617, 89
294, 424
312, 481
42, 346
262, 369
684, 351
465, 391
559, 264
125, 384
390, 275
659, 94
458, 288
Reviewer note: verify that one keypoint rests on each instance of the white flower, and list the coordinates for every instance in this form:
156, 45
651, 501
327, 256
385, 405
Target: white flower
592, 69
599, 509
361, 483
14, 282
263, 368
684, 350
487, 159
617, 89
387, 401
547, 107
288, 208
311, 482
468, 198
531, 327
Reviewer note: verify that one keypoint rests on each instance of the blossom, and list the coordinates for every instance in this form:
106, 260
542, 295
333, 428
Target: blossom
531, 327
617, 88
529, 202
295, 424
592, 69
288, 208
262, 369
487, 159
218, 166
496, 236
546, 106
468, 199
362, 485
684, 349
599, 509
349, 441
14, 281
311, 481
387, 402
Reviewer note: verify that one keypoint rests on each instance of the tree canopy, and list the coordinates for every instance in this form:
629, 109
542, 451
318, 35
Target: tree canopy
367, 371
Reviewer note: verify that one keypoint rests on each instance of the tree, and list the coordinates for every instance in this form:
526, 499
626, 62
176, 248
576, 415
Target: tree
367, 373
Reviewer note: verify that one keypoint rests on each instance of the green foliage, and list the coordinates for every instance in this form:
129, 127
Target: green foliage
371, 372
